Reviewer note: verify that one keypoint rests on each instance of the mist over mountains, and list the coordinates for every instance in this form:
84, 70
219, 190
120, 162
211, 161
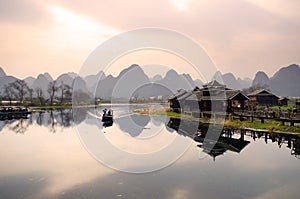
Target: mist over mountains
133, 82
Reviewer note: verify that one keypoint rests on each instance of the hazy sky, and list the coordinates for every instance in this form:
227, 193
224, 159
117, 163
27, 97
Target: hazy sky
241, 36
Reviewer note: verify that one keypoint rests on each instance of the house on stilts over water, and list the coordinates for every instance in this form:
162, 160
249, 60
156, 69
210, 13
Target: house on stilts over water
212, 97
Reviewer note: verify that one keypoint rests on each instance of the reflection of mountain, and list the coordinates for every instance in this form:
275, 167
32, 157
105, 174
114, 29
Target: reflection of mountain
184, 127
133, 124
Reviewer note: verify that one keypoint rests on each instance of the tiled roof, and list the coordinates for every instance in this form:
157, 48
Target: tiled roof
178, 94
228, 94
214, 83
256, 92
185, 96
198, 94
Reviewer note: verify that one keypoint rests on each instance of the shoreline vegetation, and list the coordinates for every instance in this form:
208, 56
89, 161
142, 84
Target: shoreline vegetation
271, 126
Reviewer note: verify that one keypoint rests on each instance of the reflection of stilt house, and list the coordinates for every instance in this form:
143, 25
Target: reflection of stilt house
197, 131
212, 97
223, 144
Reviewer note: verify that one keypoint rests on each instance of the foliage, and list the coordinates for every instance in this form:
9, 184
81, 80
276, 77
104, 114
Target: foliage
52, 88
271, 126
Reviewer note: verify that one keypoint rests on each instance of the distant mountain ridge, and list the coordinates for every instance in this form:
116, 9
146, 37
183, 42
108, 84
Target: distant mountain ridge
231, 81
261, 79
286, 82
2, 73
134, 81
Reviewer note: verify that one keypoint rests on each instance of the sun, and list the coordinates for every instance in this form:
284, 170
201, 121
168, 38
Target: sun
181, 5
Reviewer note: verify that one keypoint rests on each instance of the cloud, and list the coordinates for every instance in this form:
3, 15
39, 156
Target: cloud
237, 34
22, 12
225, 28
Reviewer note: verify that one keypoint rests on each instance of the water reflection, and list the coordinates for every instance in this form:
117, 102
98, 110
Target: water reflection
53, 119
231, 140
135, 126
248, 164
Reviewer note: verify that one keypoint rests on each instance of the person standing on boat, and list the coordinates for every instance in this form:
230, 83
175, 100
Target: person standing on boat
104, 112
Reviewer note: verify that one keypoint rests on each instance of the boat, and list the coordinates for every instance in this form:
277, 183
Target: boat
13, 112
106, 117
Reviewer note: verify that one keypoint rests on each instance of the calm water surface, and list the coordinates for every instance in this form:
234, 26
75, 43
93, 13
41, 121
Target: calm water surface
50, 155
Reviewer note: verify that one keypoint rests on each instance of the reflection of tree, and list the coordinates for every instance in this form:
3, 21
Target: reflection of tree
40, 118
53, 123
52, 119
64, 117
133, 124
19, 126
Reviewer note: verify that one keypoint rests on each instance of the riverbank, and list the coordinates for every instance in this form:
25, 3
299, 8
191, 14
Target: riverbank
272, 126
58, 107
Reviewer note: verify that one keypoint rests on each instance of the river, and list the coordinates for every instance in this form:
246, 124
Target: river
72, 154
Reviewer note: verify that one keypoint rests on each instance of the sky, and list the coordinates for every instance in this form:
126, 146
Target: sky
240, 36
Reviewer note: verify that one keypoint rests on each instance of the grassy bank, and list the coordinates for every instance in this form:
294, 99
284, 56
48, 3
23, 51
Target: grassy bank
270, 126
56, 107
161, 111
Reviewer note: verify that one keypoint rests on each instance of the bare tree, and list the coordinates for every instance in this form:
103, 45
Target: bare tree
40, 95
62, 92
65, 92
52, 89
30, 92
68, 93
9, 93
20, 88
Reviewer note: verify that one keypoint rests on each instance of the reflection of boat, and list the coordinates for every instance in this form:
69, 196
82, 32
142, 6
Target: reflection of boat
13, 112
107, 118
108, 123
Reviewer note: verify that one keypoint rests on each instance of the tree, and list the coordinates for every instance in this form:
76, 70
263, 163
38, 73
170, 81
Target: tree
62, 91
30, 91
40, 95
65, 92
20, 88
68, 93
9, 93
52, 89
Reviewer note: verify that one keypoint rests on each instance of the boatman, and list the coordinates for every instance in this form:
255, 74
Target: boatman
104, 112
